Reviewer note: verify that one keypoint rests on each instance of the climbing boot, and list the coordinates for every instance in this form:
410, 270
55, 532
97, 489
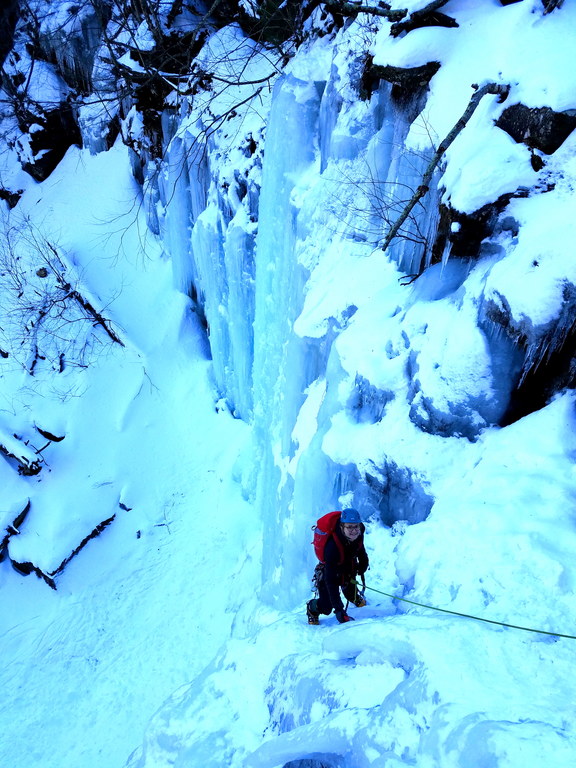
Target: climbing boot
360, 600
312, 615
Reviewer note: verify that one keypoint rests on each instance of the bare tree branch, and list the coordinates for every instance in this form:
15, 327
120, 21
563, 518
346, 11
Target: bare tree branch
76, 296
353, 9
424, 17
433, 6
495, 88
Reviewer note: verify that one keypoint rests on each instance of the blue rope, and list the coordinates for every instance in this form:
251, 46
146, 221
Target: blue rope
468, 615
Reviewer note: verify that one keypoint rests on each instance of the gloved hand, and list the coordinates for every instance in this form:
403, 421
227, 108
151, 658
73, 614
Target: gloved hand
343, 617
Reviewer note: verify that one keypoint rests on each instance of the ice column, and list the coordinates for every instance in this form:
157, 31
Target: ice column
212, 254
223, 256
175, 195
280, 370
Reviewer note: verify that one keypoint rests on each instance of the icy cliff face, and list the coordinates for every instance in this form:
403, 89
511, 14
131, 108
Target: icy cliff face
340, 338
381, 391
386, 393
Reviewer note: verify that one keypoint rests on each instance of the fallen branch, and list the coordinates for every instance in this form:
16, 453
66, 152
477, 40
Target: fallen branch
424, 17
72, 293
92, 535
353, 9
27, 462
13, 528
432, 6
494, 88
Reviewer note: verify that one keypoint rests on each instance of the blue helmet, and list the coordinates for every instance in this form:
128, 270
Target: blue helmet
350, 516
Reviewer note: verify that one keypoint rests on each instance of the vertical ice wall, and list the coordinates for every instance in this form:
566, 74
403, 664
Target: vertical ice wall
182, 183
333, 167
209, 187
280, 358
336, 172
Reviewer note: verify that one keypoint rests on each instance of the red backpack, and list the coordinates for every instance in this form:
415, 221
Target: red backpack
323, 530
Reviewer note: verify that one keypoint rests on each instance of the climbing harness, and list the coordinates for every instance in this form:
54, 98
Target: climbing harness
467, 615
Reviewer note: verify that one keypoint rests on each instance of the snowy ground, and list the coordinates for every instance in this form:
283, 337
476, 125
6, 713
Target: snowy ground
432, 688
144, 606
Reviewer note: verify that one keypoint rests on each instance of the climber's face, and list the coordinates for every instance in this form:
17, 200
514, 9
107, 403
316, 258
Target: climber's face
351, 530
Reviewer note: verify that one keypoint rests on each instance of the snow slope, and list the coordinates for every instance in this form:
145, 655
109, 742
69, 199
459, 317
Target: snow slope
177, 637
143, 606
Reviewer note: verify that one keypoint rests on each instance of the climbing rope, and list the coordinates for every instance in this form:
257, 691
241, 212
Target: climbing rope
467, 615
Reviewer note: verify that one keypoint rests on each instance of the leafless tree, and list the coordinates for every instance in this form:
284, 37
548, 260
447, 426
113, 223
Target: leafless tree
44, 314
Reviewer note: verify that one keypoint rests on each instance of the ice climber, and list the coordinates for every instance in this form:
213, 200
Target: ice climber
339, 545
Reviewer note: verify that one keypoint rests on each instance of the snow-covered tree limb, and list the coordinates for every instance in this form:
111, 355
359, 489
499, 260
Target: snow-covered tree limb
353, 9
422, 17
72, 293
422, 189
